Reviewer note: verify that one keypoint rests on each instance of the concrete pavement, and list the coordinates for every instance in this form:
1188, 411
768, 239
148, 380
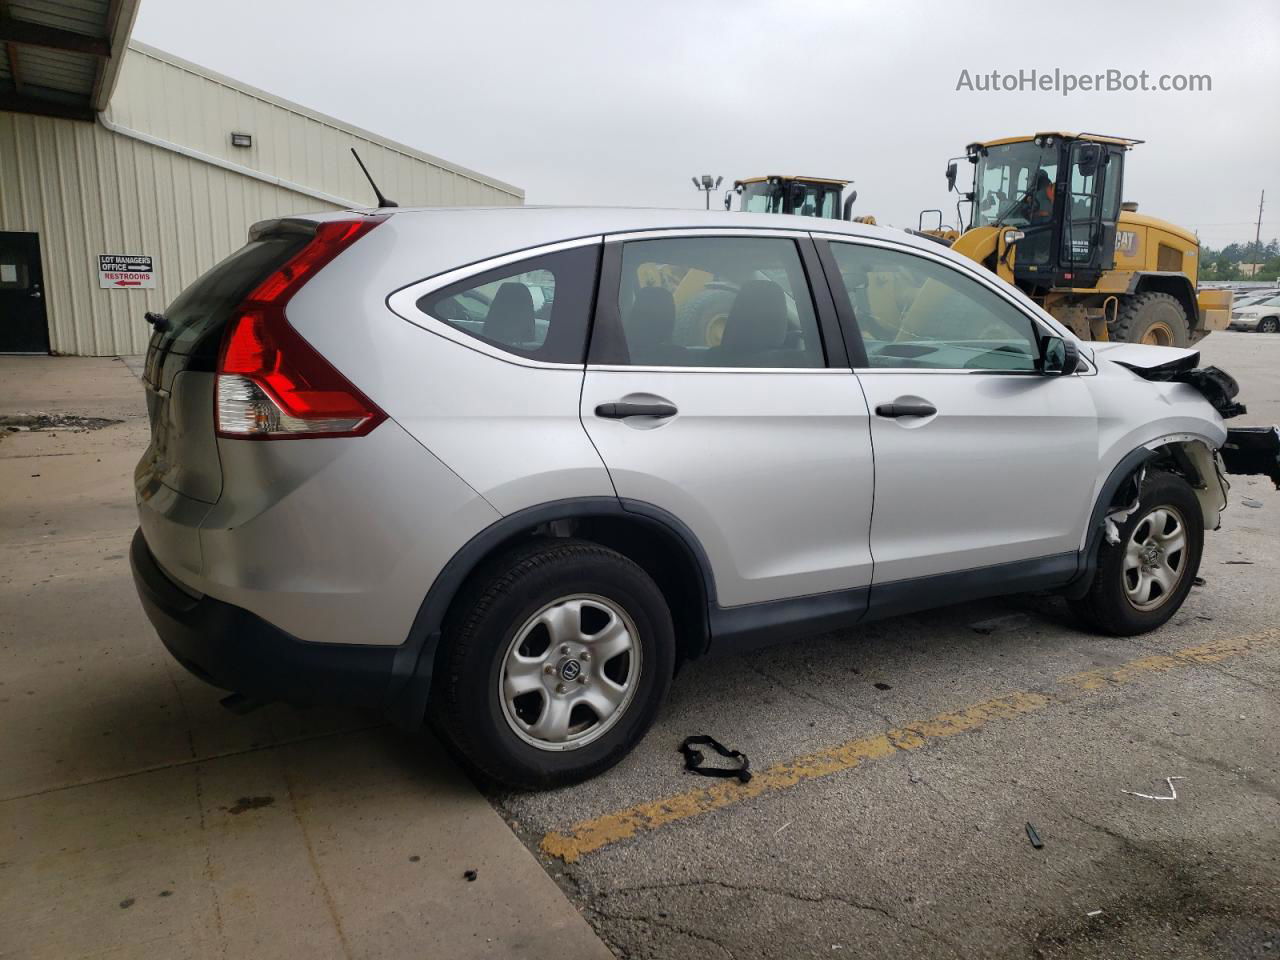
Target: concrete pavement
140, 819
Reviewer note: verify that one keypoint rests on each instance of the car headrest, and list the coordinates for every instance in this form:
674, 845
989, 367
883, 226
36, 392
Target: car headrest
652, 319
510, 318
758, 318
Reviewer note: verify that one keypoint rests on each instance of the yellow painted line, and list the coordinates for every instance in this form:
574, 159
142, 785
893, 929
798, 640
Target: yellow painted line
591, 835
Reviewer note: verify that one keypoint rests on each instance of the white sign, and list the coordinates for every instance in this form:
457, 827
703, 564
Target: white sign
124, 271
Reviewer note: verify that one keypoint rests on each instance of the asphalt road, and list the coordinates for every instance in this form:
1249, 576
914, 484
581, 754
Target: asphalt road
898, 765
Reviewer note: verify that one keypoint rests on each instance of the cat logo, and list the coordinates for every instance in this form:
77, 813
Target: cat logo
1127, 243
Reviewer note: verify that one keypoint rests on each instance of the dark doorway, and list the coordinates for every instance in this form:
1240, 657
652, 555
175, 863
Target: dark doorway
23, 327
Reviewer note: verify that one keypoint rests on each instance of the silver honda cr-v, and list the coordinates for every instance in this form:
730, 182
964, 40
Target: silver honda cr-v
504, 469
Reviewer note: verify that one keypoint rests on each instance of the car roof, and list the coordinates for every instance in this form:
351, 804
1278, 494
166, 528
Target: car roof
527, 226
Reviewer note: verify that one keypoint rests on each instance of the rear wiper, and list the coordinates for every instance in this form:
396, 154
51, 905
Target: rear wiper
157, 320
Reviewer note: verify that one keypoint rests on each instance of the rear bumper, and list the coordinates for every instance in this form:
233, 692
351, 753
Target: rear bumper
230, 647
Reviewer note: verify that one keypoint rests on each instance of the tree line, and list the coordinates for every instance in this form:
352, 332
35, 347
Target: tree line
1224, 264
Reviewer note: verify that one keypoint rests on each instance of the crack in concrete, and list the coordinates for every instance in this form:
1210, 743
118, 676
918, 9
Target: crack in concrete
801, 693
186, 763
875, 908
666, 924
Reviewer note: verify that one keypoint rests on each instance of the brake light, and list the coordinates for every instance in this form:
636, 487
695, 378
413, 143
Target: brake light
272, 384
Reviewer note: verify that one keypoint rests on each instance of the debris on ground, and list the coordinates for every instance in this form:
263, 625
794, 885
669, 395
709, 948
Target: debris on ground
882, 686
1094, 913
693, 759
1034, 837
1238, 563
470, 876
1250, 502
23, 422
1173, 794
1197, 581
781, 828
1010, 621
250, 803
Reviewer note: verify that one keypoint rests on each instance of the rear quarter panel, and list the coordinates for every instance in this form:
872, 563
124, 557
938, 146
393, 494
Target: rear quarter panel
510, 431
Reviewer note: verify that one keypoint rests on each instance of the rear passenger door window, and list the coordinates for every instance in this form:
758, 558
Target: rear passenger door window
914, 312
714, 301
537, 308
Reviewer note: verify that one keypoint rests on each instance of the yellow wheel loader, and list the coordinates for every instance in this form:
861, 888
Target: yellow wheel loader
1045, 214
802, 196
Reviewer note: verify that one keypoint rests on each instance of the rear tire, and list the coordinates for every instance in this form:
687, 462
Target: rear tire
517, 669
1153, 318
1141, 581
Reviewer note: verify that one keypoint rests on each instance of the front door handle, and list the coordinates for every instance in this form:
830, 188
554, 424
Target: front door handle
622, 408
906, 410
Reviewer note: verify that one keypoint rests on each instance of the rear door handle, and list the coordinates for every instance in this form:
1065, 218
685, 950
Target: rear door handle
906, 410
622, 409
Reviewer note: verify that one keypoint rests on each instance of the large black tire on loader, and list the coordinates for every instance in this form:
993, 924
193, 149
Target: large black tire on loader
1154, 318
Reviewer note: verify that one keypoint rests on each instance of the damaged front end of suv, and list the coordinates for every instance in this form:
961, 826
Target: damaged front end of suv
1249, 451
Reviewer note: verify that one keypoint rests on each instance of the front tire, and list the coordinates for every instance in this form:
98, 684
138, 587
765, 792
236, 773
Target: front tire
1152, 318
1141, 581
1268, 325
556, 660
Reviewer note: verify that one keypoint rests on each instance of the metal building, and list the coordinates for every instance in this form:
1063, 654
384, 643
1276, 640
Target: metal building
126, 172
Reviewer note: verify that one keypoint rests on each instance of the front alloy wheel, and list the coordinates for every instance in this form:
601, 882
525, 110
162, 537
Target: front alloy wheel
1155, 558
1141, 581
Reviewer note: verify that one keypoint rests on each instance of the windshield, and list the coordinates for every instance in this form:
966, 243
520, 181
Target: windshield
1013, 184
809, 200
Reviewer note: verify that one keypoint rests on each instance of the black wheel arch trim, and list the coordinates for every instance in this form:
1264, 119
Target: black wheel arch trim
415, 658
1088, 557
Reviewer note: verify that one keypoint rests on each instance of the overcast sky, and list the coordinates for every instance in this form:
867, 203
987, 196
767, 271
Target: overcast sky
621, 102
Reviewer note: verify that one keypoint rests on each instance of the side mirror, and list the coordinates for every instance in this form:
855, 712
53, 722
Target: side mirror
1059, 357
1012, 236
1088, 159
951, 176
798, 193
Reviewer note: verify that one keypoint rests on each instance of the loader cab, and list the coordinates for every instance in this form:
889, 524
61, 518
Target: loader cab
802, 196
1062, 194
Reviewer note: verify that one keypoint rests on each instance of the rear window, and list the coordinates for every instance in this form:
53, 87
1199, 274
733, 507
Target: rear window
199, 314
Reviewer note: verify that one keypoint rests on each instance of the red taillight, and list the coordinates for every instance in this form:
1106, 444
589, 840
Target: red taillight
272, 384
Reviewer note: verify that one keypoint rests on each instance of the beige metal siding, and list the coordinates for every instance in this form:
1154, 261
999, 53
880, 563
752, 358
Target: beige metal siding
87, 191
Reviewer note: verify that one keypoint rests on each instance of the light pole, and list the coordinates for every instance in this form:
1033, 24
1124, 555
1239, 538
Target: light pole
706, 185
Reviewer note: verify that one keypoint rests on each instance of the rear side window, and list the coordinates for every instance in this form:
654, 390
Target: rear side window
199, 314
715, 302
537, 308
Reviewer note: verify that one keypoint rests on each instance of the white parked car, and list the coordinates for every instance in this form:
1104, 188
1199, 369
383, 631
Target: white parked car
1262, 315
492, 467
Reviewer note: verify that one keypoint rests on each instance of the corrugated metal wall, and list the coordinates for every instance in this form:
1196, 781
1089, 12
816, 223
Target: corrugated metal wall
88, 191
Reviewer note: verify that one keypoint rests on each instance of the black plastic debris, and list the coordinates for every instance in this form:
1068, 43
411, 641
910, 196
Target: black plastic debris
1034, 837
693, 759
469, 876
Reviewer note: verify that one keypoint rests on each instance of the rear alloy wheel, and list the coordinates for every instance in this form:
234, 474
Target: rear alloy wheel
554, 663
1141, 581
570, 672
1268, 325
